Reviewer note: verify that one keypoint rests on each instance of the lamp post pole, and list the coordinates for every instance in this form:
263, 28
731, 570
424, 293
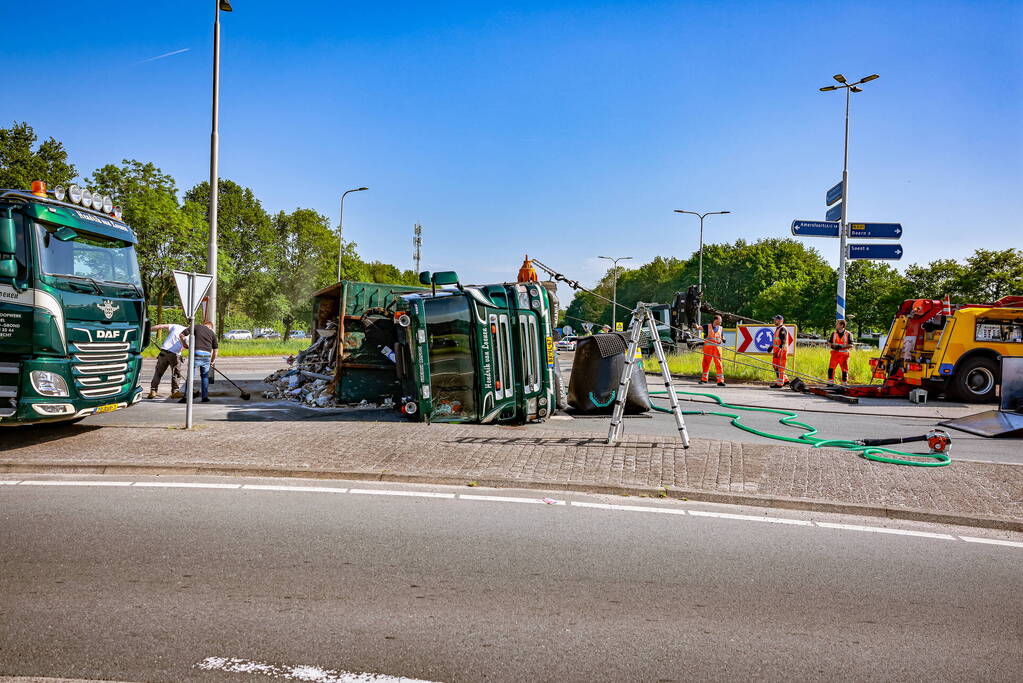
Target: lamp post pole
843, 230
341, 227
614, 288
211, 259
699, 317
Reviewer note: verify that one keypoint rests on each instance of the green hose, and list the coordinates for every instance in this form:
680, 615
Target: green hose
808, 438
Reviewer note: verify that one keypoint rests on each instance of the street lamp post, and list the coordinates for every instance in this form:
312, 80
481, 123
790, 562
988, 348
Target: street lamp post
614, 287
341, 228
699, 317
211, 259
844, 226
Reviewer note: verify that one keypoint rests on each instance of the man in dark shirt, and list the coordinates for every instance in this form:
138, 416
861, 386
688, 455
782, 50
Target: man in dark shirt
205, 351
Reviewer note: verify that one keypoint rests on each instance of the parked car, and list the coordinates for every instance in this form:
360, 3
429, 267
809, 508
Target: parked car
237, 334
566, 344
298, 334
266, 333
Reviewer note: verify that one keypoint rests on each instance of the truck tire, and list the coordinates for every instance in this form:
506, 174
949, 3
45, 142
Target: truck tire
976, 380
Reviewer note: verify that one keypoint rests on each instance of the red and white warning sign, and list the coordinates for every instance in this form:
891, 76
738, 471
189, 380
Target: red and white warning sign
760, 338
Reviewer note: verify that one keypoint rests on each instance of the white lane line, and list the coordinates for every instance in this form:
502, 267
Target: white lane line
185, 485
411, 494
882, 530
510, 499
992, 541
300, 672
318, 489
5, 482
49, 482
628, 508
751, 518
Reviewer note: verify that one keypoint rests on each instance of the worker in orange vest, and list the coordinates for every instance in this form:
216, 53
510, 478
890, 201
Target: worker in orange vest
780, 351
713, 341
841, 341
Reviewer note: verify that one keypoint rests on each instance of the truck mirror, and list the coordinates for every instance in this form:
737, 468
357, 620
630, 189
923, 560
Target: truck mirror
446, 277
65, 234
8, 268
7, 237
424, 277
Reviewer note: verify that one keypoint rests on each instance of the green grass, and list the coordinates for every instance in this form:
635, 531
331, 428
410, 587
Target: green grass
811, 361
249, 347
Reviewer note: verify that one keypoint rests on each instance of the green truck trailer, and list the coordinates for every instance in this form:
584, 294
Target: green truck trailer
72, 312
443, 353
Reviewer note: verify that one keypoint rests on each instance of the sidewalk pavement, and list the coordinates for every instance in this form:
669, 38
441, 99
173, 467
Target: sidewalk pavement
970, 493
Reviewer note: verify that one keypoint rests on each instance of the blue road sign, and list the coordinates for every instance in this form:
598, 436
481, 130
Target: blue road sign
875, 231
834, 213
884, 252
815, 229
834, 194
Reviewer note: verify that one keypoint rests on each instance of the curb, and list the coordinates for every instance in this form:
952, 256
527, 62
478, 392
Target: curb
781, 502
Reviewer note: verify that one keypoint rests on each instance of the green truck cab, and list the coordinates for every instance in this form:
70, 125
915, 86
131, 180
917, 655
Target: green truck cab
481, 354
72, 313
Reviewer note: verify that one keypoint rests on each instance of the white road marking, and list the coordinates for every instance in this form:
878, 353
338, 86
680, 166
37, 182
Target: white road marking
882, 530
992, 541
54, 482
186, 485
299, 672
751, 518
510, 499
318, 489
629, 508
413, 494
507, 499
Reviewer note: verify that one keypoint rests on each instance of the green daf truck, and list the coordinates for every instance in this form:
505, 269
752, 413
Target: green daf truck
446, 353
72, 311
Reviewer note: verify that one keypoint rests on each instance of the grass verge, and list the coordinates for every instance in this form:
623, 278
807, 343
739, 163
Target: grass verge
810, 361
248, 347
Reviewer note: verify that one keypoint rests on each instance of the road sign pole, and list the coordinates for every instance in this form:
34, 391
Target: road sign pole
191, 353
844, 225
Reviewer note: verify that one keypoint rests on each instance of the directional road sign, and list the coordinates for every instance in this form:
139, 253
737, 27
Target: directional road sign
834, 213
834, 194
191, 294
815, 229
885, 252
760, 338
875, 231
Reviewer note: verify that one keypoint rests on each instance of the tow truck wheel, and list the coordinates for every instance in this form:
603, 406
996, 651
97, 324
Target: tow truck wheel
976, 380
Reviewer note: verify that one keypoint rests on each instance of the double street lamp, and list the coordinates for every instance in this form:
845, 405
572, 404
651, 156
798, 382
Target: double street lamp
844, 226
211, 258
614, 288
699, 317
341, 228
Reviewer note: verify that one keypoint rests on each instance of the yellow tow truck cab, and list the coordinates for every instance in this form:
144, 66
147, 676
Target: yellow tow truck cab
951, 349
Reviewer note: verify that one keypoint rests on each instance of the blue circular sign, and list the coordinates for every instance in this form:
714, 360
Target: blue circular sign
764, 340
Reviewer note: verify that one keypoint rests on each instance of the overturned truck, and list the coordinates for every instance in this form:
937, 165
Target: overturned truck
442, 353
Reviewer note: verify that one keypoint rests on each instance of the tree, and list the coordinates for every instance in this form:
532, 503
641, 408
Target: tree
246, 242
170, 236
936, 279
874, 291
20, 164
990, 275
307, 261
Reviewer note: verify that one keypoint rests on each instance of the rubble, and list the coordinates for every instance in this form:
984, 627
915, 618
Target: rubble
309, 379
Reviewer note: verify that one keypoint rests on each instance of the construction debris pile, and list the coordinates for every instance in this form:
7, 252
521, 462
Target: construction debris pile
309, 379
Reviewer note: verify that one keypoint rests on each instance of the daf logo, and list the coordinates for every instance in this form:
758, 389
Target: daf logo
108, 334
108, 308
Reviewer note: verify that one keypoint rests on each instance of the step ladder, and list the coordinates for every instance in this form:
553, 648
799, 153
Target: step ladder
643, 317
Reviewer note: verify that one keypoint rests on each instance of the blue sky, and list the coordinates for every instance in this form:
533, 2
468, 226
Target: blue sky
561, 129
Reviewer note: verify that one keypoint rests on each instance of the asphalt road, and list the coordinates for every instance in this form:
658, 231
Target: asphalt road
877, 418
142, 582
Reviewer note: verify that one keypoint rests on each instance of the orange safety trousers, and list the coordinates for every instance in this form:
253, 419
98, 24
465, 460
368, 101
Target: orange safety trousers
712, 353
779, 358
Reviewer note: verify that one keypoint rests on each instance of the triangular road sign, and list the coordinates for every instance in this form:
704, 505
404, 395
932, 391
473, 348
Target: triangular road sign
190, 299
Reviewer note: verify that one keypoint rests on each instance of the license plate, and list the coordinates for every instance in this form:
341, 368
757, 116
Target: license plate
109, 408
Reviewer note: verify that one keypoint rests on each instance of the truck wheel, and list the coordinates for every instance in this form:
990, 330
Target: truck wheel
976, 380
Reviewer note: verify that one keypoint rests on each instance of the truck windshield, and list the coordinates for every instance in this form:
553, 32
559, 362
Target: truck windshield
88, 256
452, 370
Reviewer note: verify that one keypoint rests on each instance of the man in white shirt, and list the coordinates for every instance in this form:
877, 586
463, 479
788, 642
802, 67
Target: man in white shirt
169, 357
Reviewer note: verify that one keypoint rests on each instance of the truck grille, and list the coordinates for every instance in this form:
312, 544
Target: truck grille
9, 375
102, 368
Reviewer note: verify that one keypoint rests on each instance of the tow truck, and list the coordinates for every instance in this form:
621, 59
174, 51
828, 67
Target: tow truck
72, 312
